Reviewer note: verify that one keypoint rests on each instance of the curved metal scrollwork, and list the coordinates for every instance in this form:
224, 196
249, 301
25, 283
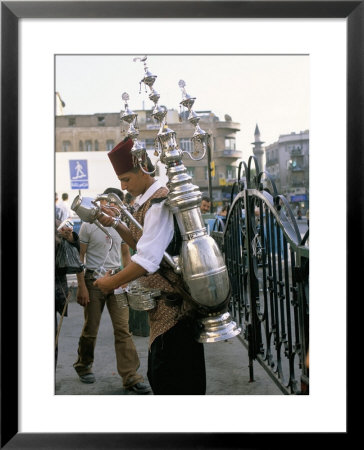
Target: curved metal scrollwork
268, 260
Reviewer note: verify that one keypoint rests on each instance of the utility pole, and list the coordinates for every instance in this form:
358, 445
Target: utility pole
60, 104
209, 169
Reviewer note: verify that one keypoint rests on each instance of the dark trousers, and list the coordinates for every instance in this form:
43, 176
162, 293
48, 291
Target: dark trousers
176, 363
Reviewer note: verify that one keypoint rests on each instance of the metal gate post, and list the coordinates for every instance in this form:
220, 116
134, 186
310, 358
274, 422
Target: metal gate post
254, 334
302, 278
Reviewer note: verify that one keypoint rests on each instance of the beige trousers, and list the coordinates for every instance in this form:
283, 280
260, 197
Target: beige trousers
127, 360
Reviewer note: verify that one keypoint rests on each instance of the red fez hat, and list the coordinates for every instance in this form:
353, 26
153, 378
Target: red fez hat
121, 158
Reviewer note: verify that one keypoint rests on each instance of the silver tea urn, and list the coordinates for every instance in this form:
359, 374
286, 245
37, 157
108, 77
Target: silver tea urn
201, 262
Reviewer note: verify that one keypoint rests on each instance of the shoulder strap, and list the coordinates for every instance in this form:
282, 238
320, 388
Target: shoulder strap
157, 200
174, 246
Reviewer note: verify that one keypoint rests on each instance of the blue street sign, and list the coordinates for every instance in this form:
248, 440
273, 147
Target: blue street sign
78, 173
299, 198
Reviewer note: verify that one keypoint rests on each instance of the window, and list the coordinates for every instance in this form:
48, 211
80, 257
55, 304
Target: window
66, 146
80, 146
230, 172
71, 121
230, 144
101, 121
96, 146
109, 145
88, 146
190, 171
185, 144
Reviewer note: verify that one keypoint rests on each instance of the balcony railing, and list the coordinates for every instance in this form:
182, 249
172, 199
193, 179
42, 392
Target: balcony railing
227, 153
296, 152
271, 161
229, 125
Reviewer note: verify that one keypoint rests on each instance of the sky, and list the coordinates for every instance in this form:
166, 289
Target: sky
269, 90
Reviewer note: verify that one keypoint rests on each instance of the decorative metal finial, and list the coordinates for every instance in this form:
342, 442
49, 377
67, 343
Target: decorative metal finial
149, 78
138, 151
200, 137
143, 59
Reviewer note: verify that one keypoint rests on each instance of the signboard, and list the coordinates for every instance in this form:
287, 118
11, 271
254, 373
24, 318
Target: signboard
78, 173
299, 198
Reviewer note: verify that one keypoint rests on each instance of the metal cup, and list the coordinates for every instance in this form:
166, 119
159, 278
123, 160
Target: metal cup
141, 298
68, 224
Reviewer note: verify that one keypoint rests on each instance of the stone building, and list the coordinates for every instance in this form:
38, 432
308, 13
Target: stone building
101, 132
287, 161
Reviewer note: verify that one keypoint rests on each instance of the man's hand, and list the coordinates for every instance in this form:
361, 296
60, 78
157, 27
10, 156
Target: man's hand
110, 282
107, 216
107, 220
105, 284
66, 233
82, 295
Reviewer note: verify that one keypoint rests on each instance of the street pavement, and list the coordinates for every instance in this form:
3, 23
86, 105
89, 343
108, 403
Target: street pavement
227, 370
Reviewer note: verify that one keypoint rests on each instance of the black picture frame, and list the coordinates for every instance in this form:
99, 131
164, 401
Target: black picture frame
11, 12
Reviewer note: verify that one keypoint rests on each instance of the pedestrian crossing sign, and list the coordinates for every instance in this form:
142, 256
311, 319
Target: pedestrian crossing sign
78, 173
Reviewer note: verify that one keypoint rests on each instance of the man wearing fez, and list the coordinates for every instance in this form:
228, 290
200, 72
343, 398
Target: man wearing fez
176, 364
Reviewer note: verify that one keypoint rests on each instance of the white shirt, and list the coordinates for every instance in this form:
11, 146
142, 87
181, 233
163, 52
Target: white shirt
158, 232
65, 208
98, 251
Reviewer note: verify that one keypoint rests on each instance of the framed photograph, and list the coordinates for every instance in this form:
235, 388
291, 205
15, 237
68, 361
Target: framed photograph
27, 174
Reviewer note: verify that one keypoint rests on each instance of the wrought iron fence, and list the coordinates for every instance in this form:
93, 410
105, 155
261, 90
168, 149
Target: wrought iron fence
268, 264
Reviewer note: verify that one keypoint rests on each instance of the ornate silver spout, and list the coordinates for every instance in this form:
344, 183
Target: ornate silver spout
89, 211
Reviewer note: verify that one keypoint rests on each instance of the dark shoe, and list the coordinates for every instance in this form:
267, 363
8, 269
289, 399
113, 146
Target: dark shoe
88, 378
140, 388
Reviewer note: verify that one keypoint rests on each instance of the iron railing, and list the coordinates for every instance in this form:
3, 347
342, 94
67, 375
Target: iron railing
268, 265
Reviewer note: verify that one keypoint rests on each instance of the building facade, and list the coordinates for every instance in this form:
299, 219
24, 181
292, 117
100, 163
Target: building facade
101, 132
287, 161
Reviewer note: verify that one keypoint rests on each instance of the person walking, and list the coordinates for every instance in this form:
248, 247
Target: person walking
60, 213
61, 287
65, 205
95, 253
176, 364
